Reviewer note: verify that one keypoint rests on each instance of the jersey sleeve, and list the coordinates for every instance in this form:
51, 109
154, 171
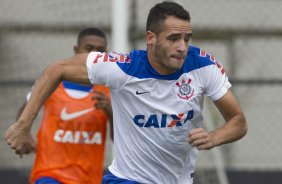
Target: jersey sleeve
102, 68
215, 81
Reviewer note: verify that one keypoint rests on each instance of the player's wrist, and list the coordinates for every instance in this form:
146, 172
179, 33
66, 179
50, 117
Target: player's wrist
23, 125
214, 139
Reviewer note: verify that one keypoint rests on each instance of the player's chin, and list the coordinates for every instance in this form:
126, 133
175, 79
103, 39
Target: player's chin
177, 63
175, 67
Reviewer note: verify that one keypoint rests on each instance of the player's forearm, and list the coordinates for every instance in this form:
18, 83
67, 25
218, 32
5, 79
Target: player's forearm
234, 129
20, 110
42, 89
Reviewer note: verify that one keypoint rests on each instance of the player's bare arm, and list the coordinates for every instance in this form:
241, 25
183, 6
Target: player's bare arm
32, 141
72, 69
234, 128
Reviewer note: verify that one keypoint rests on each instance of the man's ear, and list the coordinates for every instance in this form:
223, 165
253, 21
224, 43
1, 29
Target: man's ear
150, 38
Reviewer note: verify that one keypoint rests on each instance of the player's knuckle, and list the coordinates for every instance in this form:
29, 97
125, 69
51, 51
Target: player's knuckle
13, 146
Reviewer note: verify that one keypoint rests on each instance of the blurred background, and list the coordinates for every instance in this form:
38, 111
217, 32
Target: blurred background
244, 35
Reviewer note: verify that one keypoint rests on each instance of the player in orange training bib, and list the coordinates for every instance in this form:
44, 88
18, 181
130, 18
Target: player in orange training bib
71, 139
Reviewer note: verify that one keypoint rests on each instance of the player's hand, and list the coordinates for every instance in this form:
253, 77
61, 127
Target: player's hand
20, 139
201, 139
102, 102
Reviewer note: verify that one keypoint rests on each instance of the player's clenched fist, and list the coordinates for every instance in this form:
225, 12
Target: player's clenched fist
20, 139
201, 139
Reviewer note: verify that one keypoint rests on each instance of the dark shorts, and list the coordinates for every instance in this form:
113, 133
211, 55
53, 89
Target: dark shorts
47, 180
109, 178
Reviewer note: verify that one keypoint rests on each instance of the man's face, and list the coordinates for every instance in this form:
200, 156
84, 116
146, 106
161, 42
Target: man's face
168, 48
91, 43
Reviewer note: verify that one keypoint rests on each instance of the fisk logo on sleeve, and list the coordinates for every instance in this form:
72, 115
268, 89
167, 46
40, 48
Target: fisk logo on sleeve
213, 59
112, 57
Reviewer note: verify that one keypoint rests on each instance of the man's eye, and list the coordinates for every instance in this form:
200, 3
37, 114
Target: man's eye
187, 39
88, 48
173, 39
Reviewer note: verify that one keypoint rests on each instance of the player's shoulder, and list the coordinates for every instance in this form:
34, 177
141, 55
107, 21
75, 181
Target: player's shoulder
137, 65
138, 54
199, 55
197, 58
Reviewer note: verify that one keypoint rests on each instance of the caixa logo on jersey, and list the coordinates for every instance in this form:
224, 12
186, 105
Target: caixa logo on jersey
163, 120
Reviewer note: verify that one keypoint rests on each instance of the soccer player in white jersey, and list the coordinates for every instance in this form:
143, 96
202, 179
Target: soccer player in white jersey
157, 100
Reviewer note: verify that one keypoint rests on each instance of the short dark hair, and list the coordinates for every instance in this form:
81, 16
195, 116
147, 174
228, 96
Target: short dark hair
159, 13
90, 31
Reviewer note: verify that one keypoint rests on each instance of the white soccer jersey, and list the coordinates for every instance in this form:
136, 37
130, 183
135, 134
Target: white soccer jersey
154, 113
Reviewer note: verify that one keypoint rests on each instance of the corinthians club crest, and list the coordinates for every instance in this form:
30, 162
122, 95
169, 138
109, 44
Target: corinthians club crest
185, 91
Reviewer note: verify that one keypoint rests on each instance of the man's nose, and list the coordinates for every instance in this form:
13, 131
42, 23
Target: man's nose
182, 46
